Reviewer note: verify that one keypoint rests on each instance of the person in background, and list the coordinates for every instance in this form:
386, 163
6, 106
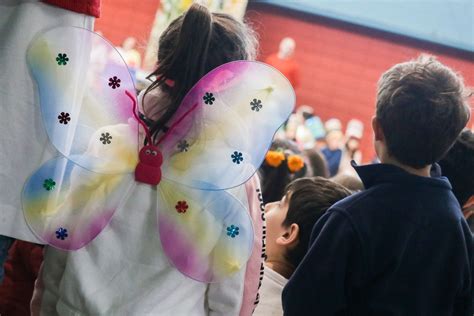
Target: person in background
351, 151
19, 106
318, 163
131, 56
21, 272
316, 127
333, 152
351, 182
283, 163
402, 246
5, 243
354, 133
290, 221
284, 61
304, 136
458, 166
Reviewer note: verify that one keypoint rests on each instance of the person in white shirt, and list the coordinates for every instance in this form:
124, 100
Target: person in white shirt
289, 225
124, 271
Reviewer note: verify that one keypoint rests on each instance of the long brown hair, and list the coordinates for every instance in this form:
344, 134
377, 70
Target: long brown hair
192, 45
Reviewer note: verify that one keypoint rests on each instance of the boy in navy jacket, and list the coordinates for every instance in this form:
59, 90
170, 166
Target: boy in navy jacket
402, 246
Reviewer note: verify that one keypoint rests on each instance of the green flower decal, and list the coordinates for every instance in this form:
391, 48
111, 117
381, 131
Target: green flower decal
49, 184
62, 59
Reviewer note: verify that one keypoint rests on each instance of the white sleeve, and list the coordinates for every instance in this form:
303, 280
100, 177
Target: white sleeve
225, 297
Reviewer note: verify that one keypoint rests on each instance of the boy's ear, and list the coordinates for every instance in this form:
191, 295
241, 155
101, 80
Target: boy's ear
379, 136
290, 237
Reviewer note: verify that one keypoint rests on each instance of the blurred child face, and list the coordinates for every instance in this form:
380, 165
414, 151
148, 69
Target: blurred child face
333, 140
275, 214
353, 144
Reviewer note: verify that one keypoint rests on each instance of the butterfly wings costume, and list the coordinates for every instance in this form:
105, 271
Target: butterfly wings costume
217, 140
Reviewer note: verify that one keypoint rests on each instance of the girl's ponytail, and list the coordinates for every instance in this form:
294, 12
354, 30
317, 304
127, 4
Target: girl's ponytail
186, 64
192, 45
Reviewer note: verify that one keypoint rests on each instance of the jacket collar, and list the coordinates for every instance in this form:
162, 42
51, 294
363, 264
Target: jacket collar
385, 173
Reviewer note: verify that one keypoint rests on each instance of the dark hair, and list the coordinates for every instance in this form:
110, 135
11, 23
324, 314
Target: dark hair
421, 108
319, 165
275, 179
309, 199
349, 181
458, 166
192, 45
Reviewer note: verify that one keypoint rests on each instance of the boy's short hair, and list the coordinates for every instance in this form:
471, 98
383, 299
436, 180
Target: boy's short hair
349, 181
309, 199
421, 108
458, 166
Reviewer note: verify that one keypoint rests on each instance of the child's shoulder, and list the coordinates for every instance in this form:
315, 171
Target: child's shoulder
355, 201
382, 206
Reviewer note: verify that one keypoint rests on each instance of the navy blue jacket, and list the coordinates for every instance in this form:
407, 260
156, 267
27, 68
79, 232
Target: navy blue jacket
399, 248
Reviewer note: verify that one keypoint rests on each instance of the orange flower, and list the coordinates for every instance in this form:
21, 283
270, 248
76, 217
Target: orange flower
274, 158
295, 163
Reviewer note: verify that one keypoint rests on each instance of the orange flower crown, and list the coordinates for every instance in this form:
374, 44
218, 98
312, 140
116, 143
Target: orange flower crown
275, 158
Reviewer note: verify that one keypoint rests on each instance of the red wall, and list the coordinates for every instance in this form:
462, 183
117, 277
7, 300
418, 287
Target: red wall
341, 63
120, 19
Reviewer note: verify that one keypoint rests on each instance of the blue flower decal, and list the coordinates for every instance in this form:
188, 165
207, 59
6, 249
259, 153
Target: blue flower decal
61, 233
232, 231
209, 98
237, 157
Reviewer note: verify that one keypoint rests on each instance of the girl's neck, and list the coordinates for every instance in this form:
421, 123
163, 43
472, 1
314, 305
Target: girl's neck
281, 267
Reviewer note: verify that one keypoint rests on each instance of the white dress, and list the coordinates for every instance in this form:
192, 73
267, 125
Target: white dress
125, 272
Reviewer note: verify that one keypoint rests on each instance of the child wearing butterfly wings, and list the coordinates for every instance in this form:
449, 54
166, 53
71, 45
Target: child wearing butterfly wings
168, 222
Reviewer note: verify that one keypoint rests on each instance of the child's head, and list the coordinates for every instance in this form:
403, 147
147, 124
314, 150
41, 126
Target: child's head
319, 165
334, 135
283, 163
349, 181
291, 220
192, 45
458, 166
421, 109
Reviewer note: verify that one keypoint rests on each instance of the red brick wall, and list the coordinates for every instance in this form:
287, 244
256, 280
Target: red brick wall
120, 19
341, 63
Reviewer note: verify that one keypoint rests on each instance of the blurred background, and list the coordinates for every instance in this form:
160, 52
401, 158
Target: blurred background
333, 52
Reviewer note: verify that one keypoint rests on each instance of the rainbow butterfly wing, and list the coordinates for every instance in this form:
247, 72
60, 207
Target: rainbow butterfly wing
200, 150
225, 125
207, 235
82, 81
67, 206
216, 141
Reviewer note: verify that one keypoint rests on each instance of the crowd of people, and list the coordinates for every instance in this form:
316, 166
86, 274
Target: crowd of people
332, 236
